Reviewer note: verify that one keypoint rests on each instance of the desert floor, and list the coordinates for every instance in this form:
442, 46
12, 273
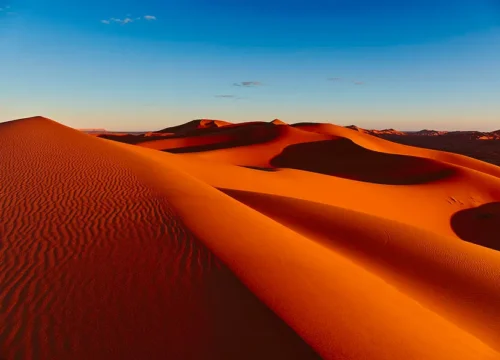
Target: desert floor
213, 240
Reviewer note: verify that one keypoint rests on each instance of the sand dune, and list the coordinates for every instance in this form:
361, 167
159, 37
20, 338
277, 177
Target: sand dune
96, 263
195, 125
213, 240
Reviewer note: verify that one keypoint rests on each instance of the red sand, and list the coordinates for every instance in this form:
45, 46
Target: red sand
252, 241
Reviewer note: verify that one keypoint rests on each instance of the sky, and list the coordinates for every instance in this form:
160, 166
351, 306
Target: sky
145, 65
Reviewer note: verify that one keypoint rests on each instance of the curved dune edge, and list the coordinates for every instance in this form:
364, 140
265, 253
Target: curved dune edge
321, 294
382, 145
233, 145
455, 279
428, 206
230, 143
186, 135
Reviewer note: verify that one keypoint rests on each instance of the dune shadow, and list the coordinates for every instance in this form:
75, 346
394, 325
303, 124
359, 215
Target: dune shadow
343, 158
205, 139
260, 168
230, 137
127, 138
480, 225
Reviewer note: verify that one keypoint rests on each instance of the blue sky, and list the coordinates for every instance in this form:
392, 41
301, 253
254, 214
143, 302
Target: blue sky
141, 65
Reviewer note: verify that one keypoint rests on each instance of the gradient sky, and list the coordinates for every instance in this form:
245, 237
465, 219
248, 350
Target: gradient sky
145, 65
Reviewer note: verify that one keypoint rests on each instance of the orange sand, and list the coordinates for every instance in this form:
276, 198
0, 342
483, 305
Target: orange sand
248, 241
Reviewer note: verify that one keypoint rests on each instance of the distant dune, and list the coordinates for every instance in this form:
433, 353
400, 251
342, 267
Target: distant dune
90, 131
262, 240
195, 125
483, 146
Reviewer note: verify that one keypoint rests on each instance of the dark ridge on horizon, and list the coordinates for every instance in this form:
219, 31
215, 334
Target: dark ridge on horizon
275, 121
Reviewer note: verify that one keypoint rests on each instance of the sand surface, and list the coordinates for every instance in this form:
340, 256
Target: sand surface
213, 240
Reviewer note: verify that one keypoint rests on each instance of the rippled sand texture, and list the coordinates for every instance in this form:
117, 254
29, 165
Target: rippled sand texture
252, 241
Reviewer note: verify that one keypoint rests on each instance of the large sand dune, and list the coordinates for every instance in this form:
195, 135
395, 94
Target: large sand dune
212, 240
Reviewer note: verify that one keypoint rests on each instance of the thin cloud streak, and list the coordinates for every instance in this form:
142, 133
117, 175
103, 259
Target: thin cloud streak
128, 20
248, 83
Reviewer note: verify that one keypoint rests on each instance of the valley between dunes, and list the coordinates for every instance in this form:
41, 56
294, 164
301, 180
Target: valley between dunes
213, 240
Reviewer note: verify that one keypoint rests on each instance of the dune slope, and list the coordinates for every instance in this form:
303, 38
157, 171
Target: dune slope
321, 294
96, 264
455, 279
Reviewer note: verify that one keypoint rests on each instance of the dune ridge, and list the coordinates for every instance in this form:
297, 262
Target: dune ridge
259, 240
96, 264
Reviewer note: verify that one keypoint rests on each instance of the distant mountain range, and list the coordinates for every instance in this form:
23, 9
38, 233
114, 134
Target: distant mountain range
480, 145
208, 123
472, 135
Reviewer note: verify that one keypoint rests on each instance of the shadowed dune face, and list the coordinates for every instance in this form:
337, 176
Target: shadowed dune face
343, 158
480, 225
197, 136
261, 168
223, 138
125, 138
196, 125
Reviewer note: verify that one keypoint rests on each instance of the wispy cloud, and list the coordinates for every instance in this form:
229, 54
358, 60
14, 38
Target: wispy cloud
248, 83
127, 20
358, 83
334, 79
225, 96
6, 10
